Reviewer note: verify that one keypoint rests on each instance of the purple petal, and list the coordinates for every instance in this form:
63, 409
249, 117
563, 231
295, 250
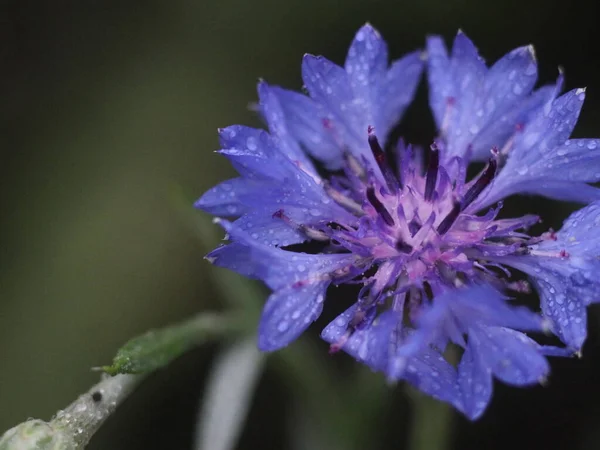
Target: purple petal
442, 88
274, 114
280, 268
270, 231
511, 356
568, 314
328, 84
432, 374
288, 312
337, 328
309, 124
475, 381
396, 92
371, 345
236, 257
367, 61
543, 162
222, 200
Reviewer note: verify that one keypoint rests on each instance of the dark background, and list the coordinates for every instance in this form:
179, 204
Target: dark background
108, 107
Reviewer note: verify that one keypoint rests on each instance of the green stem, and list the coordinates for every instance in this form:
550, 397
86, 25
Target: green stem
432, 419
431, 424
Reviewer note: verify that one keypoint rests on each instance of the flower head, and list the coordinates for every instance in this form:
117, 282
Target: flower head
423, 240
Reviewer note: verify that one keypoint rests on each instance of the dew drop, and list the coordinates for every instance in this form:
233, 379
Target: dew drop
251, 143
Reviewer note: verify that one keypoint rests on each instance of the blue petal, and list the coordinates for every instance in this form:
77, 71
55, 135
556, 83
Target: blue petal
468, 71
497, 132
280, 268
367, 61
309, 124
273, 112
222, 200
274, 182
382, 94
477, 109
475, 381
511, 356
457, 311
328, 84
236, 257
552, 127
337, 328
396, 92
556, 189
432, 374
363, 94
567, 314
580, 233
576, 160
441, 85
485, 305
565, 273
270, 231
505, 101
562, 296
543, 162
253, 153
288, 312
371, 344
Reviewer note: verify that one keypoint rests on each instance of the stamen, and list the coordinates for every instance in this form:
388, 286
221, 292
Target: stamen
413, 227
355, 167
428, 291
343, 200
403, 247
482, 182
384, 213
311, 233
449, 220
390, 178
432, 172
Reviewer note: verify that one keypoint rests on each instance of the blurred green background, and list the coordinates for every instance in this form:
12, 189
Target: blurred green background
108, 108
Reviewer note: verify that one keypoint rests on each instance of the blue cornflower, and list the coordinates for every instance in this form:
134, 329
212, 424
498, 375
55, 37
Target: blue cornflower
425, 242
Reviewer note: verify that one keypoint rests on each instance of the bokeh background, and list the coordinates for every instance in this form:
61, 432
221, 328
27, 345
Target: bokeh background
108, 118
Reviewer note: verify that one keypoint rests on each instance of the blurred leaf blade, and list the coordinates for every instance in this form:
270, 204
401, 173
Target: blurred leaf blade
236, 291
230, 388
157, 348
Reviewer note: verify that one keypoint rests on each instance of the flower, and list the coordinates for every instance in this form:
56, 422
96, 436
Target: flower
425, 242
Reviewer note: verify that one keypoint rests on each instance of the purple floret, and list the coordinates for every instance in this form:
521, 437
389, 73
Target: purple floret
423, 241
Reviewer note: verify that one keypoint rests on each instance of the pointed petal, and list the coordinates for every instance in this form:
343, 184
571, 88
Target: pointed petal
280, 268
543, 162
222, 199
288, 312
270, 231
371, 344
442, 89
236, 257
568, 315
432, 374
575, 160
396, 92
328, 84
307, 122
497, 132
337, 328
274, 115
475, 381
367, 60
511, 356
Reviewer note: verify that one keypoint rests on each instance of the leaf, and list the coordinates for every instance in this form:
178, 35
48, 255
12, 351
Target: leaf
157, 348
228, 396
